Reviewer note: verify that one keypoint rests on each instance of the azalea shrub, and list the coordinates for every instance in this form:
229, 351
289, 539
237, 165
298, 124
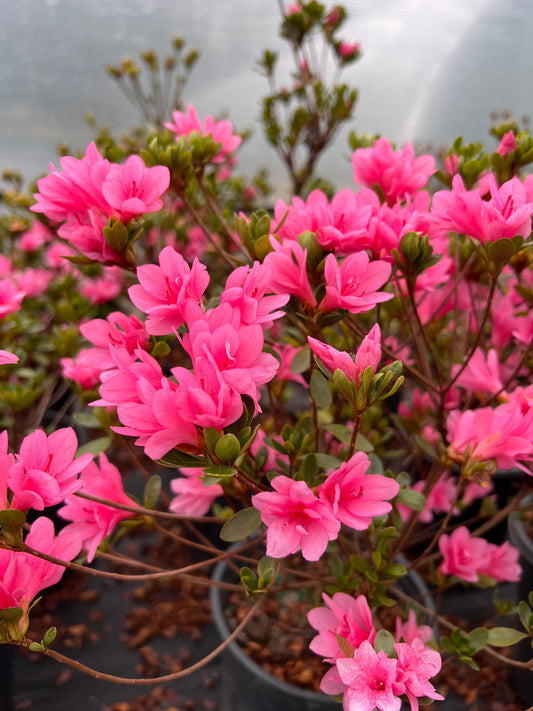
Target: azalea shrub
345, 378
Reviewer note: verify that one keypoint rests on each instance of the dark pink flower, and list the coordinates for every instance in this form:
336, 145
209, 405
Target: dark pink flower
221, 131
288, 264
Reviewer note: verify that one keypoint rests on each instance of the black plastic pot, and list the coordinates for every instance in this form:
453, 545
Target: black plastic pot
248, 687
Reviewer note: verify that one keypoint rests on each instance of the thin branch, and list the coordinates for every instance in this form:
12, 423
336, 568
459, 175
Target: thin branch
133, 681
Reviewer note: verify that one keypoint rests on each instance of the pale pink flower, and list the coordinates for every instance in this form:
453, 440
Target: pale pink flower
416, 665
92, 521
193, 497
35, 237
507, 144
353, 285
501, 563
286, 355
221, 131
46, 470
463, 555
164, 291
33, 282
289, 270
82, 369
133, 189
370, 680
411, 630
344, 616
354, 497
397, 174
23, 575
296, 519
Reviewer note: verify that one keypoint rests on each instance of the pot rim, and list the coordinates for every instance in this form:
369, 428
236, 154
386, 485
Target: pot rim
517, 532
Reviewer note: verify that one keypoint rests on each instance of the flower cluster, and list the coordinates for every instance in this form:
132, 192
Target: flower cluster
345, 382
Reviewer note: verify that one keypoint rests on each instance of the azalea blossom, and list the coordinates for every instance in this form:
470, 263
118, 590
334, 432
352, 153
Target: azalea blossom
46, 470
221, 131
355, 497
93, 521
353, 285
342, 616
397, 174
368, 356
296, 519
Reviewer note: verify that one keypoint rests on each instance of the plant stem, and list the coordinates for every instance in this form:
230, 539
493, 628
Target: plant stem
155, 680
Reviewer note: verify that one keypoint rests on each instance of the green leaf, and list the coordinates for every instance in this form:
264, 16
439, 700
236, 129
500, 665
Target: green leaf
220, 471
211, 437
240, 525
327, 461
175, 459
478, 638
86, 419
37, 647
505, 636
301, 361
95, 446
160, 350
152, 491
49, 636
413, 499
384, 641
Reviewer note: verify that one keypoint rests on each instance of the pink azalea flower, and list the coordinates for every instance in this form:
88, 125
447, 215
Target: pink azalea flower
133, 189
104, 288
116, 331
368, 356
75, 189
10, 297
482, 374
286, 355
193, 497
410, 630
344, 616
45, 470
416, 665
296, 519
370, 680
221, 131
501, 563
507, 144
92, 521
506, 214
23, 575
289, 270
504, 433
438, 501
341, 225
35, 237
397, 174
7, 358
354, 497
353, 285
245, 291
164, 291
463, 554
33, 282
